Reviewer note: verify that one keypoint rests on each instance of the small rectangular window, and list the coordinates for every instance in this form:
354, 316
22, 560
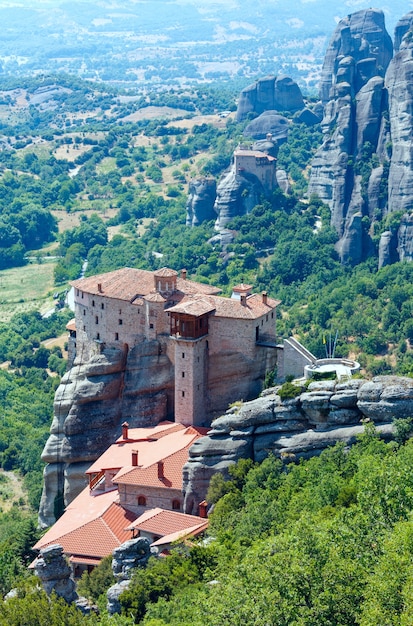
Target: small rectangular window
183, 374
272, 315
93, 303
150, 325
84, 328
183, 355
116, 336
120, 322
102, 306
183, 394
96, 319
77, 292
84, 311
267, 318
98, 336
82, 295
120, 311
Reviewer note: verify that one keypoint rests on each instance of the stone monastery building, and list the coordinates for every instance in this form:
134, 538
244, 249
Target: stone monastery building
217, 350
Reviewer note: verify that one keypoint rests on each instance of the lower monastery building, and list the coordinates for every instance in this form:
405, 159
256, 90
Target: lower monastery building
218, 349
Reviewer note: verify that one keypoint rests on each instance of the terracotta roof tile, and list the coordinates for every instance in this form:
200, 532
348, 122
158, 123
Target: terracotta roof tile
225, 307
162, 522
152, 444
97, 537
148, 476
130, 283
165, 272
191, 305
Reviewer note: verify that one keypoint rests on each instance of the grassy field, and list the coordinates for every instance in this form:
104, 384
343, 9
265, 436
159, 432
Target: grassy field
26, 288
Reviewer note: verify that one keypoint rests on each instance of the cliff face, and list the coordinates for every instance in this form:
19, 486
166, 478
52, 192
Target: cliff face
278, 93
200, 205
355, 124
364, 167
92, 401
236, 195
326, 413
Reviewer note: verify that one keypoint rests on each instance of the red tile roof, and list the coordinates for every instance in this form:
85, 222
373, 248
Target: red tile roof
91, 526
155, 444
129, 283
148, 476
161, 522
226, 307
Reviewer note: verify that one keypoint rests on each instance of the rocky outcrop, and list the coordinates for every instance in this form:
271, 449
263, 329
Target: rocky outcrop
405, 238
324, 414
399, 85
200, 205
236, 195
387, 249
355, 124
359, 49
130, 555
278, 93
364, 167
92, 401
56, 577
268, 123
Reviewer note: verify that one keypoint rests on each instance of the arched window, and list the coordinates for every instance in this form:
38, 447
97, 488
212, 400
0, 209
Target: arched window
176, 505
141, 501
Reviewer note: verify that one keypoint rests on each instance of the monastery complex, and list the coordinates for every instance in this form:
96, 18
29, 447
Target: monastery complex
219, 348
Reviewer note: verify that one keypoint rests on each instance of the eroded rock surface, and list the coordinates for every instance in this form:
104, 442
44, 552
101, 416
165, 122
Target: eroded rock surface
200, 205
278, 93
130, 555
92, 401
324, 414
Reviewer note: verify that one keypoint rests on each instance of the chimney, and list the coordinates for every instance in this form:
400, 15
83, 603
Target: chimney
264, 297
160, 469
100, 287
183, 274
202, 509
243, 299
134, 458
125, 427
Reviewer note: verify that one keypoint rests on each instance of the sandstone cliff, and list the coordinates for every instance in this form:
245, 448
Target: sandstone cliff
278, 93
326, 413
200, 204
355, 124
92, 401
364, 168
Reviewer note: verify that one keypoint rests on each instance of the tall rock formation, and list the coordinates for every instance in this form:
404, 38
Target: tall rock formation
399, 84
355, 126
91, 402
200, 205
364, 168
278, 93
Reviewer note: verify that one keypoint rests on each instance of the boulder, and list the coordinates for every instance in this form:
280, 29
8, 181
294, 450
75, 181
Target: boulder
268, 123
55, 573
